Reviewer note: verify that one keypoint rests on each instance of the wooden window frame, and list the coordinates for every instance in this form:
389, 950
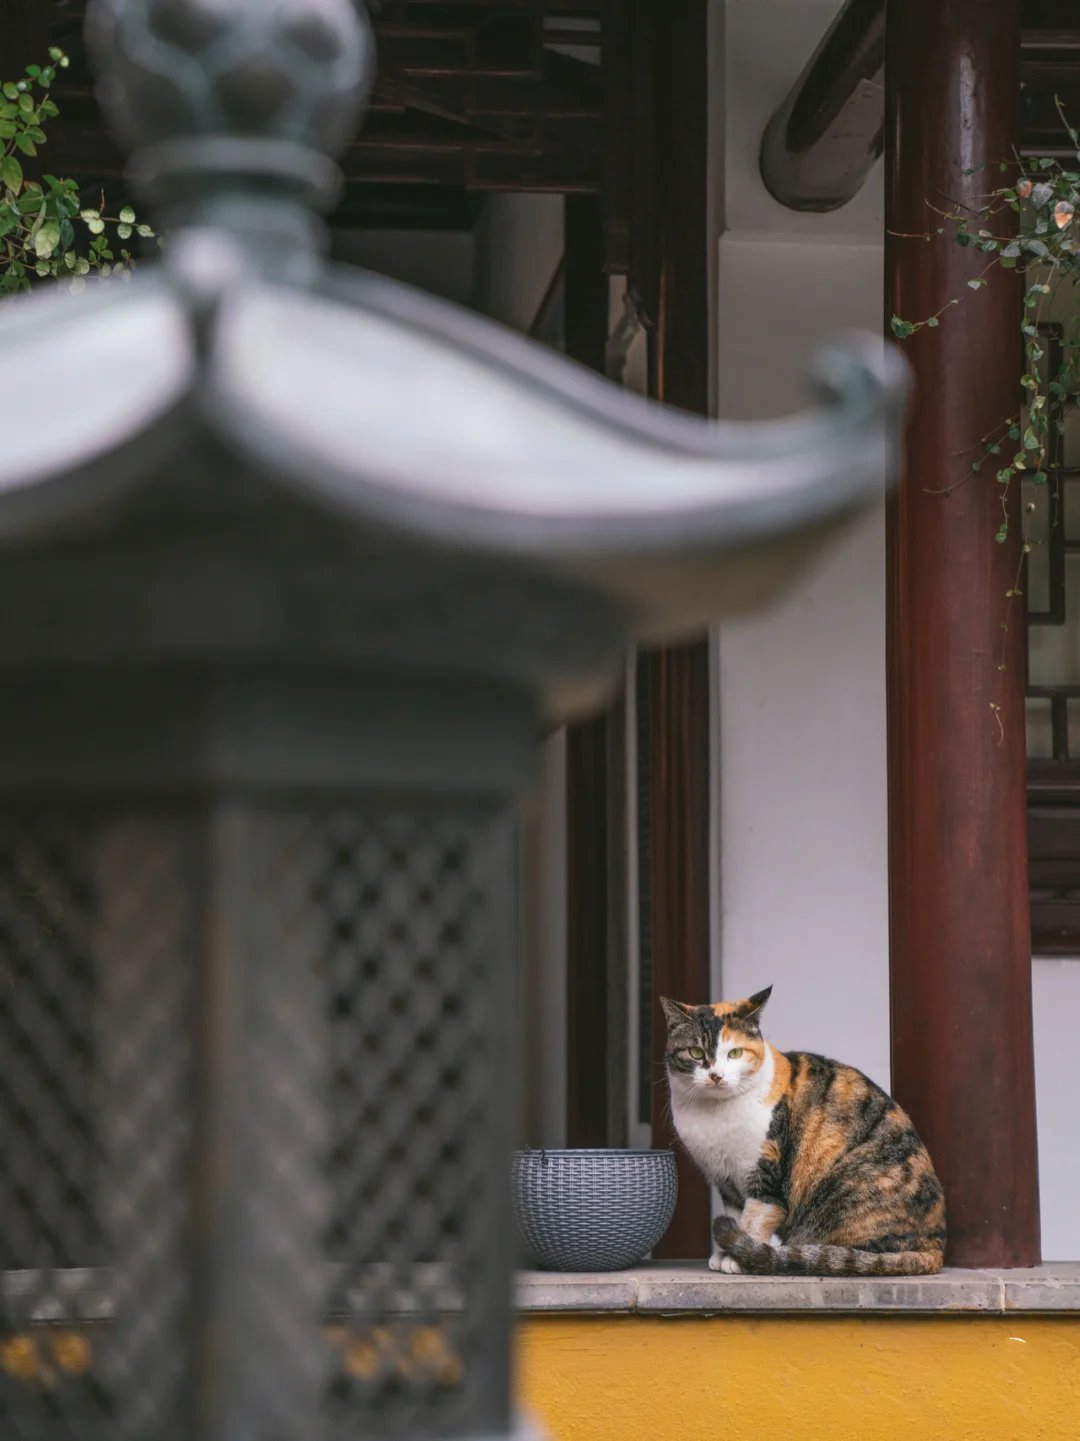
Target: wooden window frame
1054, 785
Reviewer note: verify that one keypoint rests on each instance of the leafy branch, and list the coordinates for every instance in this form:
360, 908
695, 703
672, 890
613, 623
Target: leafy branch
1045, 248
45, 231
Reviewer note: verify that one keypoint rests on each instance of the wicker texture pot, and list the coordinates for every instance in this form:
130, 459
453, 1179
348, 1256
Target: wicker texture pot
592, 1210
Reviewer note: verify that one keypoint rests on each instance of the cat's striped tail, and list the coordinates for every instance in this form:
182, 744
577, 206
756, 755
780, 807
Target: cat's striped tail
809, 1259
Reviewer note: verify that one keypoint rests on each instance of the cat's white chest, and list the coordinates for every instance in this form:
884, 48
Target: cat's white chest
724, 1138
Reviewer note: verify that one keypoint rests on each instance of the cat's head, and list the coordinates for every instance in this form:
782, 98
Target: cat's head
715, 1050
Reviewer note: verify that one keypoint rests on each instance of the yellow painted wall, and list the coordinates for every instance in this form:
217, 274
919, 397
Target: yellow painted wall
741, 1378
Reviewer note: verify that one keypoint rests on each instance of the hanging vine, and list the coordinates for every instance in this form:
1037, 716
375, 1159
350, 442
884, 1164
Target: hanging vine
46, 233
1043, 243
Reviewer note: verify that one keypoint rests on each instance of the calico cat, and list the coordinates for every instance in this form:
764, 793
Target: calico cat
819, 1171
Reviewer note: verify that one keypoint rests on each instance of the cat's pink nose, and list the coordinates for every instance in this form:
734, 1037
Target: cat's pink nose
716, 1079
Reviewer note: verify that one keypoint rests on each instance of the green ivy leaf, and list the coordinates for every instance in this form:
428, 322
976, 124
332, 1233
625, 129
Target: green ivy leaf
127, 215
933, 322
11, 174
47, 239
901, 328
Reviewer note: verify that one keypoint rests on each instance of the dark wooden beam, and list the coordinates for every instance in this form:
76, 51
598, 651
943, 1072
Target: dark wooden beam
678, 679
592, 967
678, 691
960, 943
586, 294
25, 36
587, 951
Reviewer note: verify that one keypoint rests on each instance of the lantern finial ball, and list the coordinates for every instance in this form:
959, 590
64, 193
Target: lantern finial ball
230, 82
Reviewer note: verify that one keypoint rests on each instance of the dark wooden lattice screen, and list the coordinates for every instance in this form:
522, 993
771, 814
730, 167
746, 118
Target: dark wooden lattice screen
1052, 587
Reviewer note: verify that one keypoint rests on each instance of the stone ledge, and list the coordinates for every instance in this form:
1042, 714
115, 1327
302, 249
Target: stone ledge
689, 1288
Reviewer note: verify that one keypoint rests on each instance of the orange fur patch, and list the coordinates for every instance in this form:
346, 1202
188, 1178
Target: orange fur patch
781, 1082
761, 1218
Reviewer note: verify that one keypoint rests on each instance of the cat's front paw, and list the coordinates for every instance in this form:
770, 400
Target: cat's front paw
727, 1264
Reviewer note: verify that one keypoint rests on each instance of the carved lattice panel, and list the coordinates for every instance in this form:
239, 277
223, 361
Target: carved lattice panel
419, 1101
253, 1071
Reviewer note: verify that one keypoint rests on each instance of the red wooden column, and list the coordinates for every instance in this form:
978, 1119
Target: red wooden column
678, 678
961, 950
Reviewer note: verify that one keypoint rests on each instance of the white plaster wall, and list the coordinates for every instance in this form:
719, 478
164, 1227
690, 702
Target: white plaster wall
518, 246
803, 891
519, 242
441, 262
1057, 1017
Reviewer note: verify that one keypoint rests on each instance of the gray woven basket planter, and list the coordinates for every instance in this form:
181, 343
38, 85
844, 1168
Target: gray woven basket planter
598, 1210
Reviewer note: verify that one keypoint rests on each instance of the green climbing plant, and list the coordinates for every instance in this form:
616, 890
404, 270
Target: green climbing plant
46, 233
1029, 224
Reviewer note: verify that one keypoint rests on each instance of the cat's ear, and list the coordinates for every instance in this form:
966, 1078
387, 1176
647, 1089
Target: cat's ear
751, 1009
675, 1013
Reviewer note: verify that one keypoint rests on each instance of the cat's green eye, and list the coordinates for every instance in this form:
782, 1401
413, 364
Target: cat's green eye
735, 1053
696, 1053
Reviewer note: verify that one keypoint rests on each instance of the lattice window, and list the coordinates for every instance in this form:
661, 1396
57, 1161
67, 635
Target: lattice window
1053, 599
499, 95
